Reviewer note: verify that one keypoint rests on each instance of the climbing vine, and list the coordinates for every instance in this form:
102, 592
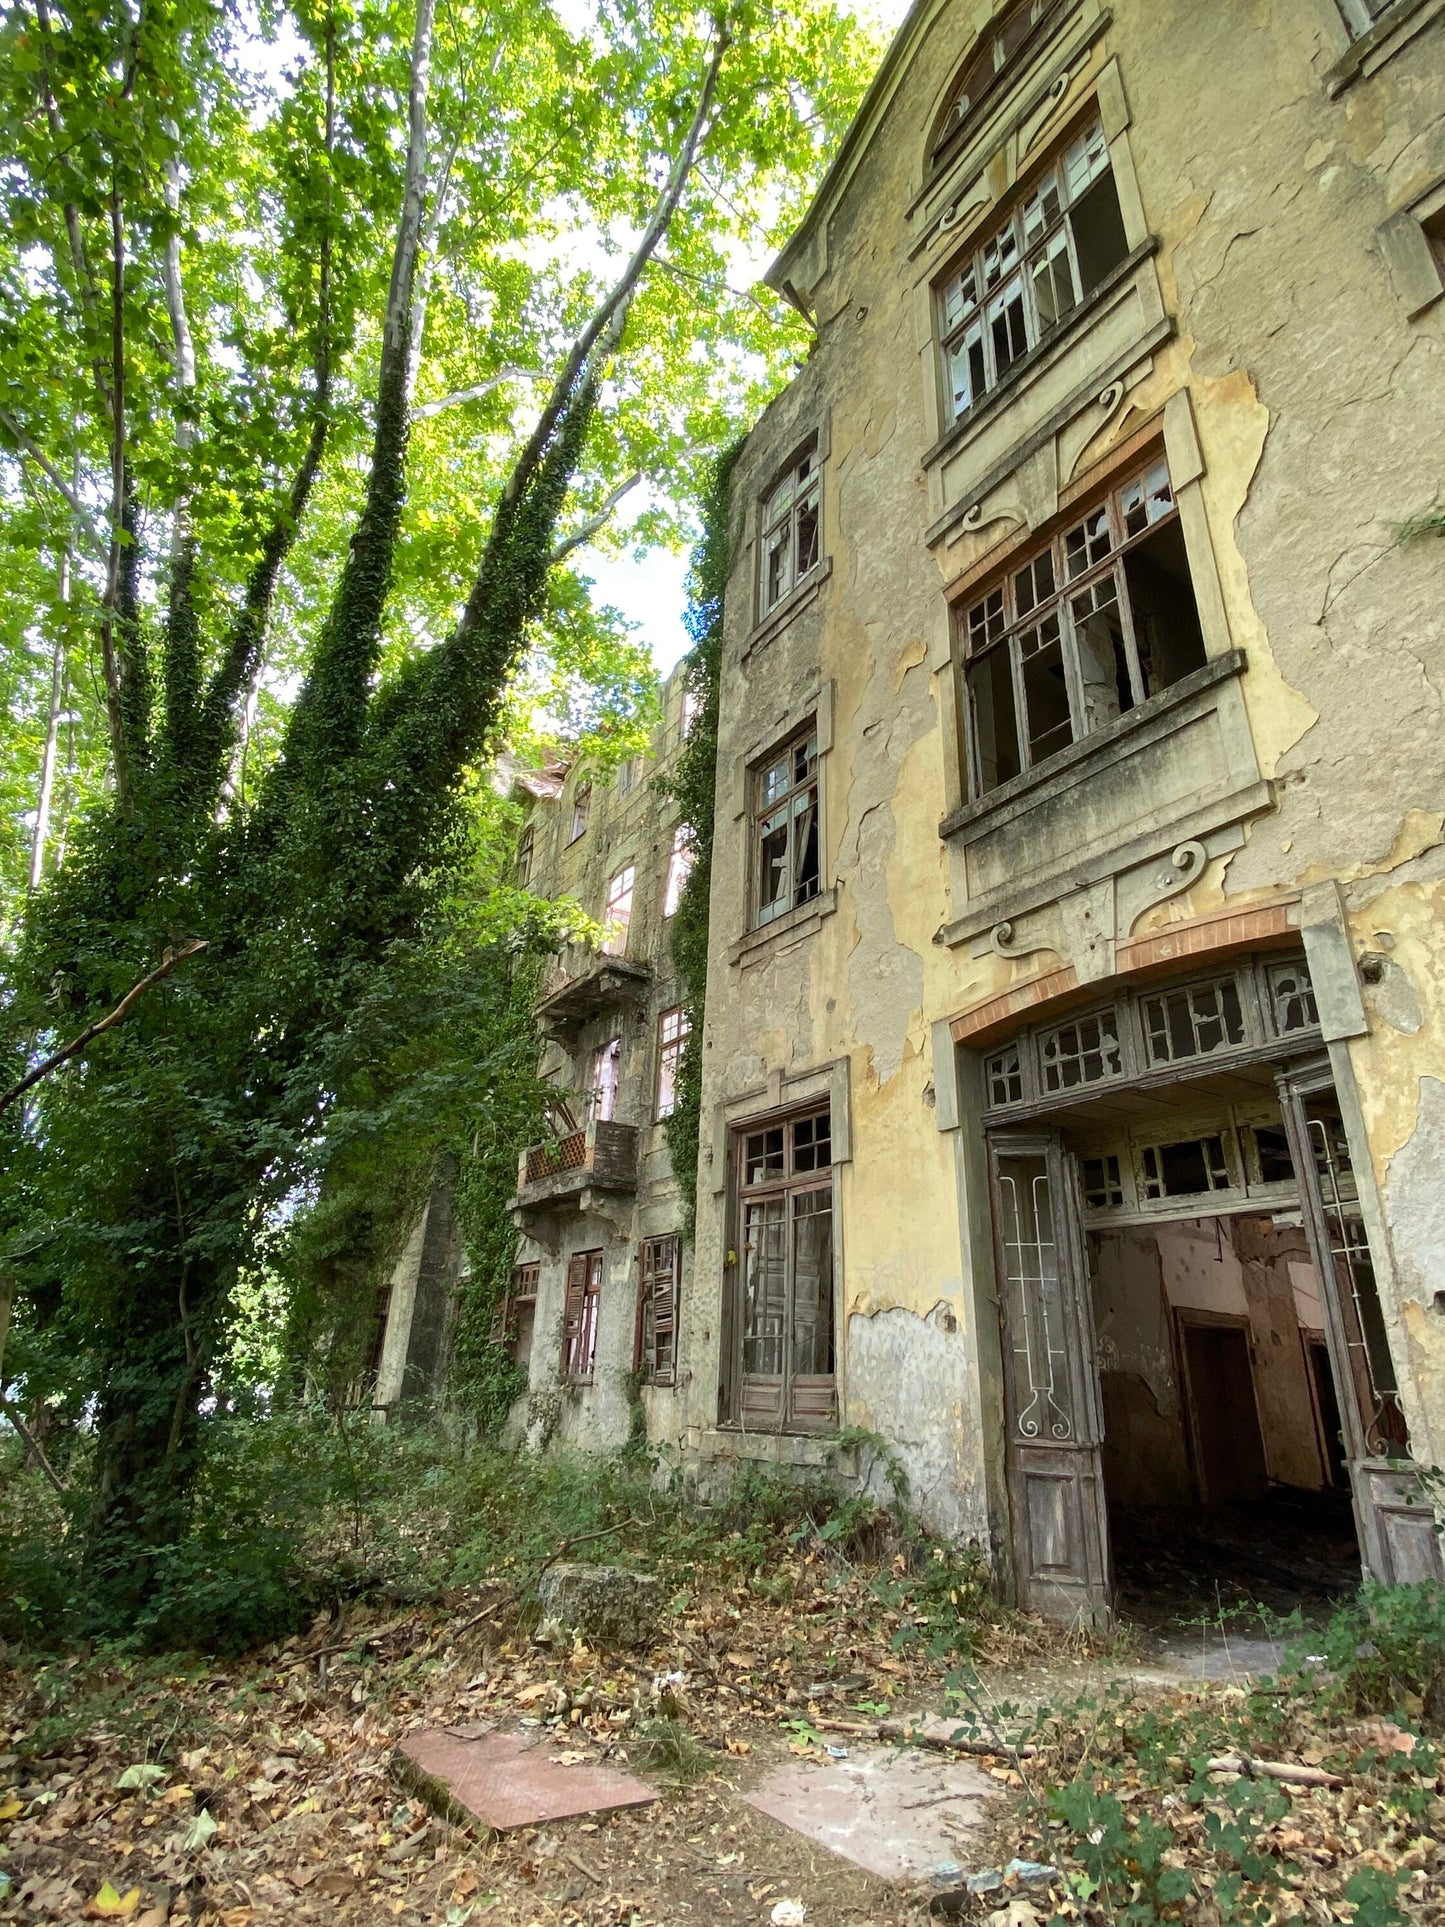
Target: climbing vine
693, 782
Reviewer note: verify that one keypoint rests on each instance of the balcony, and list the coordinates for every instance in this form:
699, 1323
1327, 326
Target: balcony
589, 984
592, 1170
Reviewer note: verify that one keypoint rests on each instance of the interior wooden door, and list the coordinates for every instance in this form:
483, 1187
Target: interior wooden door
1051, 1383
1393, 1514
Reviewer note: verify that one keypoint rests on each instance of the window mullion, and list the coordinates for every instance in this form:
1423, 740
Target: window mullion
1073, 674
1131, 641
1021, 714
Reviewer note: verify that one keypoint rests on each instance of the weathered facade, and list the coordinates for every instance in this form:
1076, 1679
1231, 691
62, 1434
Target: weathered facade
1074, 1067
591, 1315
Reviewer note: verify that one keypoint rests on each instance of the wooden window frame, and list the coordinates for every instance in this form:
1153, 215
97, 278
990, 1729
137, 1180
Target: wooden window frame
520, 1295
669, 1057
581, 811
617, 911
1000, 278
526, 854
790, 532
659, 1292
679, 868
602, 1097
775, 811
1028, 611
784, 1400
580, 1316
998, 53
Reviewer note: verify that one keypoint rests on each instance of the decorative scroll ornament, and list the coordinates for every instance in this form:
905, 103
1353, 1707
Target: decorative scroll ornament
1003, 944
1111, 396
973, 515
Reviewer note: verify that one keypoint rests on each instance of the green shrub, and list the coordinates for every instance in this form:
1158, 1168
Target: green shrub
1384, 1652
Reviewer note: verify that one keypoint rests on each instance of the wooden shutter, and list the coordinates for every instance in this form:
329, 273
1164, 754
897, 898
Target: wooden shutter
574, 1320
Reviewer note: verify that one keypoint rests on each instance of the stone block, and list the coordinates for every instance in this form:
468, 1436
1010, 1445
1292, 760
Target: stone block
608, 1605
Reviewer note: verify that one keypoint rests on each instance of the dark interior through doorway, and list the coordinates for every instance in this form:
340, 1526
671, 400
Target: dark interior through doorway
1222, 1462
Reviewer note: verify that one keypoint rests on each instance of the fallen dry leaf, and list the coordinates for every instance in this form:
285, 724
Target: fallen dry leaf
109, 1905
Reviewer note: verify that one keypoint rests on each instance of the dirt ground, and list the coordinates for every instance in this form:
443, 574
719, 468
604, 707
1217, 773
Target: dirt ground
266, 1790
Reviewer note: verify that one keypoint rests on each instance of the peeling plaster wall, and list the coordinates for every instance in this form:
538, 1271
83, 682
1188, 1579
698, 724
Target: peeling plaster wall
1303, 403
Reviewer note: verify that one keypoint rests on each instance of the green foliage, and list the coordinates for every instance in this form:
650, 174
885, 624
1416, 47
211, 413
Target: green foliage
670, 1750
693, 782
1384, 1652
269, 528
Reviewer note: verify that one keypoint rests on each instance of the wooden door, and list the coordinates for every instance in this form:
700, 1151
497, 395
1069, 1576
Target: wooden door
1393, 1514
1051, 1382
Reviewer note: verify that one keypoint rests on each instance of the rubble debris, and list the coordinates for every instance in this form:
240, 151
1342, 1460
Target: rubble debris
896, 1814
610, 1606
509, 1780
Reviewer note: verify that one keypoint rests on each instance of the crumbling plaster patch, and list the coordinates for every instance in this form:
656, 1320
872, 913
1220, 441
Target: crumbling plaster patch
1414, 1199
909, 1379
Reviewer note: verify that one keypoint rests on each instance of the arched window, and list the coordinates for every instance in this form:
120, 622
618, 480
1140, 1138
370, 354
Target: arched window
992, 56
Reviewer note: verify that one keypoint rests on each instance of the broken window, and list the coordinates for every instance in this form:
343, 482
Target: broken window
627, 775
1194, 1021
786, 1246
515, 1312
604, 1077
679, 868
525, 845
672, 1031
1292, 997
581, 810
659, 1280
1003, 1074
617, 915
1095, 622
1361, 15
1101, 1182
995, 53
1182, 1169
1085, 1050
790, 533
579, 1323
785, 829
1008, 295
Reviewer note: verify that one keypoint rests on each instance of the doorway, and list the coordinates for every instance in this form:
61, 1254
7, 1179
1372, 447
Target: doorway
1218, 1465
1166, 1126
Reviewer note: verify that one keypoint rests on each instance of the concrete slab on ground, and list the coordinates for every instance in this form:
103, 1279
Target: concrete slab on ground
516, 1779
897, 1813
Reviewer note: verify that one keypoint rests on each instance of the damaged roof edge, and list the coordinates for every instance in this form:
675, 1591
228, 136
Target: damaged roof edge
856, 142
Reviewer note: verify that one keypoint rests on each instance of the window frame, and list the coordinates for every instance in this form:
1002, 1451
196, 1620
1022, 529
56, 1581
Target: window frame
800, 1401
679, 868
992, 43
617, 911
1011, 251
521, 1295
601, 1096
803, 480
581, 811
1017, 1065
659, 1296
764, 810
669, 1058
581, 1316
987, 620
526, 855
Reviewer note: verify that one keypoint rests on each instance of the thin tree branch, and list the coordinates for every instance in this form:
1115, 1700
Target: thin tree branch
600, 330
122, 1010
584, 534
427, 266
427, 409
182, 658
241, 660
33, 1445
329, 715
52, 475
110, 655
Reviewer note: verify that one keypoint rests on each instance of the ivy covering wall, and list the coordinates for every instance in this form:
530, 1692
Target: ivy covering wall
693, 782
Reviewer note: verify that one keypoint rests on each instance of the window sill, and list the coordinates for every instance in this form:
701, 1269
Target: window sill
1020, 793
1039, 357
1384, 40
782, 613
798, 923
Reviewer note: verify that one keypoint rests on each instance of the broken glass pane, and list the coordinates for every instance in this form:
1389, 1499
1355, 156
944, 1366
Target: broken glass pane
1046, 695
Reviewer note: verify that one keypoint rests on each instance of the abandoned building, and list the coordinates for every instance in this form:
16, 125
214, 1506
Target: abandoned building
591, 1313
1074, 1056
1074, 1052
